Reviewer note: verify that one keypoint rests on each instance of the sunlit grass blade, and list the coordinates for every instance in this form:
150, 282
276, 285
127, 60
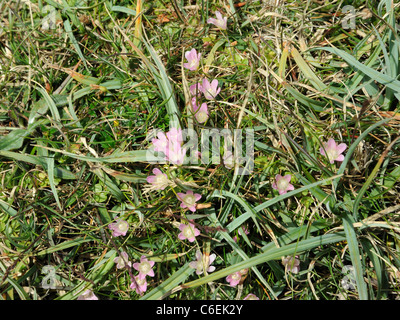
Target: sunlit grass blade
124, 10
138, 23
240, 201
306, 70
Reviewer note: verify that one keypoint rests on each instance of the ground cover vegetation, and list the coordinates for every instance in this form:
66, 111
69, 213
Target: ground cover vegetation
106, 193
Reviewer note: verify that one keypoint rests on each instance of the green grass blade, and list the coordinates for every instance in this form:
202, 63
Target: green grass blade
124, 10
50, 174
352, 242
58, 171
240, 201
164, 85
68, 30
166, 286
64, 245
382, 78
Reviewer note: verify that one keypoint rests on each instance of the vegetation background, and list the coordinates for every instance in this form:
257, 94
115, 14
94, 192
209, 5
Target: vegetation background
83, 83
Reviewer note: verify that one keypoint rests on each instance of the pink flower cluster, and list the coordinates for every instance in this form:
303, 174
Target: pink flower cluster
210, 90
145, 268
171, 145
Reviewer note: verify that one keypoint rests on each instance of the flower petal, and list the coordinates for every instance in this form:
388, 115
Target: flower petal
341, 147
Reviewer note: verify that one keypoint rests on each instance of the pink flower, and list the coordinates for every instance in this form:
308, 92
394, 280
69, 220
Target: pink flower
88, 295
189, 200
160, 144
144, 267
175, 154
140, 286
333, 151
203, 262
201, 114
196, 89
175, 136
171, 145
159, 180
251, 296
220, 22
234, 278
119, 228
291, 264
122, 261
282, 184
210, 90
193, 60
188, 231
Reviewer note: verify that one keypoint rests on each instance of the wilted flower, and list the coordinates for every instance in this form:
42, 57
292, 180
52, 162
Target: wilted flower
234, 278
140, 286
189, 199
159, 180
282, 184
220, 22
292, 264
119, 228
88, 295
203, 262
188, 231
210, 90
122, 260
144, 267
201, 114
251, 296
193, 60
333, 151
